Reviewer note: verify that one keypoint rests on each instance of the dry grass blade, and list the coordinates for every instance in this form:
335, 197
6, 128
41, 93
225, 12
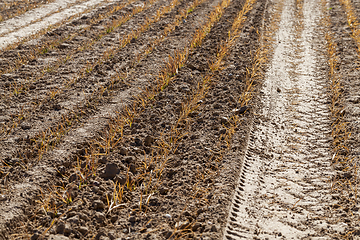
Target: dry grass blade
342, 185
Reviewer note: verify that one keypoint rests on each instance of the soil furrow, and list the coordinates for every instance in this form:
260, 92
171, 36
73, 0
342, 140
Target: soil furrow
49, 169
179, 37
69, 106
31, 66
75, 122
209, 139
80, 29
137, 148
33, 74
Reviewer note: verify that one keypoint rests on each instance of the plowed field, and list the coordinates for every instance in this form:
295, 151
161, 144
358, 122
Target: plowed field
176, 119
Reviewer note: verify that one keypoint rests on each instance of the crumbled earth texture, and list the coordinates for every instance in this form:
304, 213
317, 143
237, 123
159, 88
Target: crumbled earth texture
86, 152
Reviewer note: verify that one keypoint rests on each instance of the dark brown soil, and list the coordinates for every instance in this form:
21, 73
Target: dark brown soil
348, 68
189, 200
58, 102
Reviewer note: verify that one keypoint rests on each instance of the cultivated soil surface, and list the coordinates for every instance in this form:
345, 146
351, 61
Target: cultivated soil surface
159, 119
10, 9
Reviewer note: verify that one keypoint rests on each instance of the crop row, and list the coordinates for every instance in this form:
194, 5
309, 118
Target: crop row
33, 107
52, 45
51, 137
109, 140
46, 139
352, 21
344, 187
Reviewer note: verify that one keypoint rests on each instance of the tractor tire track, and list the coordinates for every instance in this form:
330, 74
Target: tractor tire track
283, 189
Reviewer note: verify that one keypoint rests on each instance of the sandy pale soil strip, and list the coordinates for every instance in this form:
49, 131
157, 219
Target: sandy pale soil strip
33, 15
38, 16
284, 188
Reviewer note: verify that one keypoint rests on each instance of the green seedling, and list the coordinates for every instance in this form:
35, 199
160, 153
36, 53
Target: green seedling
62, 194
190, 10
44, 51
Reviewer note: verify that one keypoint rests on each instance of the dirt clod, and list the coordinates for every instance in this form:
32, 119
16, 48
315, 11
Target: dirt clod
148, 141
98, 205
132, 219
111, 170
100, 217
